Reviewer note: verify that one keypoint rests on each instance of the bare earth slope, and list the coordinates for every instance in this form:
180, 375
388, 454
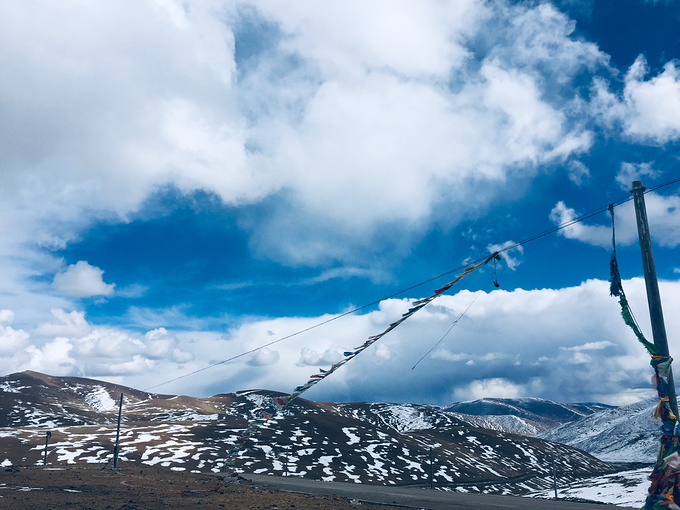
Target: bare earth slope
141, 489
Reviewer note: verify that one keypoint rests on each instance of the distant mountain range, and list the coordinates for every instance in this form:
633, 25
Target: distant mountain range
526, 416
624, 434
357, 442
615, 434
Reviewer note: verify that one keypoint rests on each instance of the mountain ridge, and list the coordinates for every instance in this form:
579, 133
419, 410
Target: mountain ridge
361, 442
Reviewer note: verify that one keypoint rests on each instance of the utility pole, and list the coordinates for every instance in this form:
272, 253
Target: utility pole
652, 285
48, 435
431, 470
115, 448
554, 472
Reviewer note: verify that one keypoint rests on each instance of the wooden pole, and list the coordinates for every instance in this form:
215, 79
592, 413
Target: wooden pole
115, 448
652, 285
431, 470
47, 438
554, 472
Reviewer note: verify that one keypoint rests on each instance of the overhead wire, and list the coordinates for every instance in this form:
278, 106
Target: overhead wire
534, 237
453, 324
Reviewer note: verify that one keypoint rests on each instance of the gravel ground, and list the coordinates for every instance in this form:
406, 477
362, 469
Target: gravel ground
73, 487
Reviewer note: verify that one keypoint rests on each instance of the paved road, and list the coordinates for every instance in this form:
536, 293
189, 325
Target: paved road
414, 497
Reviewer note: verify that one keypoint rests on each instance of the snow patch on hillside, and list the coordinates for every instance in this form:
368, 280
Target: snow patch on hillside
627, 488
100, 400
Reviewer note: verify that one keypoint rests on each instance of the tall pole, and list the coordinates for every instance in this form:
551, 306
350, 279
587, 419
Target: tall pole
431, 470
48, 435
115, 448
653, 296
554, 472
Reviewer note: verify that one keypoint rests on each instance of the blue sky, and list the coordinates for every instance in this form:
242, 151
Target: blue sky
183, 182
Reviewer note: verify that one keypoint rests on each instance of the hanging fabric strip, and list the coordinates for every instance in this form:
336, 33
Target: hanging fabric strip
269, 410
665, 477
616, 290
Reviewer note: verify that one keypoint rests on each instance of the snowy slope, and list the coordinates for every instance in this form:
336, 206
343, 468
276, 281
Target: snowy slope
623, 434
526, 416
356, 442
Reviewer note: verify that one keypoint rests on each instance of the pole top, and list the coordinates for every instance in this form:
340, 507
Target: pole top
637, 186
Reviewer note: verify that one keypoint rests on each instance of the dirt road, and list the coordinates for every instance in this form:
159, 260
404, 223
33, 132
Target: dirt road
417, 497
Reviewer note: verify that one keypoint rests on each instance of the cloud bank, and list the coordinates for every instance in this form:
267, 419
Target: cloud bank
567, 344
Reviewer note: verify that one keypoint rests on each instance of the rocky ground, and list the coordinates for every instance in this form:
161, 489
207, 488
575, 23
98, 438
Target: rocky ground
144, 488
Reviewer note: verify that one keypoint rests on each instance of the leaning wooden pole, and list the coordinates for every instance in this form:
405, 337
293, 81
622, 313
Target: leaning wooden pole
652, 285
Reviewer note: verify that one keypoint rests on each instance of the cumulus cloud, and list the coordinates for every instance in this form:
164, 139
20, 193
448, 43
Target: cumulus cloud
311, 357
647, 109
506, 345
53, 357
70, 345
511, 257
12, 340
178, 103
83, 280
592, 234
630, 172
67, 324
264, 357
494, 388
663, 214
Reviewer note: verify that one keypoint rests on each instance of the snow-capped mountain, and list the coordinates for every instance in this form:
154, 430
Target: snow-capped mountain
525, 416
623, 434
360, 442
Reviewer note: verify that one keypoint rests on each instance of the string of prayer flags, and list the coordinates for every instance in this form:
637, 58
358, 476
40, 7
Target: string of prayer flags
271, 408
415, 306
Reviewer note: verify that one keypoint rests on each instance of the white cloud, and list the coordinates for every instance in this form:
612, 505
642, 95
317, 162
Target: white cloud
447, 355
494, 388
12, 340
591, 346
310, 357
346, 38
648, 109
630, 172
383, 353
6, 316
71, 324
567, 344
144, 95
512, 261
663, 214
70, 345
83, 280
654, 104
578, 172
137, 365
264, 357
52, 358
591, 234
579, 358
